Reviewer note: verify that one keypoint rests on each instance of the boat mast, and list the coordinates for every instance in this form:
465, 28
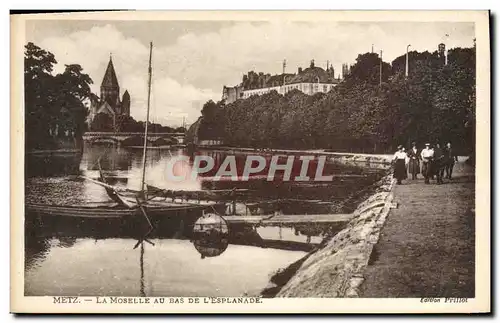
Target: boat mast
142, 292
146, 128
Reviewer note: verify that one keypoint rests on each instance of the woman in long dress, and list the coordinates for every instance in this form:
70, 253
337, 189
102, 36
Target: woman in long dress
400, 159
414, 163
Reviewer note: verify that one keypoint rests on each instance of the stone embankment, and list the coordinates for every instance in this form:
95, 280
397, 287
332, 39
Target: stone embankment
337, 268
365, 160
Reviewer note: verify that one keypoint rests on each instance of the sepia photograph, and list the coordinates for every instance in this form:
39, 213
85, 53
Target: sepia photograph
250, 162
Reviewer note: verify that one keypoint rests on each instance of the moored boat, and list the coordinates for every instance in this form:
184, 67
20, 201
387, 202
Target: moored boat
114, 211
132, 209
115, 219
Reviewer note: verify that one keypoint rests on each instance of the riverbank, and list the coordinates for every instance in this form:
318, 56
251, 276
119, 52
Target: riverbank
52, 162
426, 248
336, 268
411, 240
368, 160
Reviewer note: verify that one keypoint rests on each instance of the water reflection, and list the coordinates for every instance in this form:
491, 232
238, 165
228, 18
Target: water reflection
142, 292
210, 235
256, 196
111, 158
124, 165
52, 164
74, 256
106, 262
171, 268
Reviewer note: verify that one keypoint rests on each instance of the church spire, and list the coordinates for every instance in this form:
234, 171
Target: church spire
109, 80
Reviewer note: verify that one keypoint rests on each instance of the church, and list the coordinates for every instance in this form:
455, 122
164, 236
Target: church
109, 102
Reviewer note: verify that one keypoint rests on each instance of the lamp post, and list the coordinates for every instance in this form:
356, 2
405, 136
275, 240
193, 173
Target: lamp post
284, 66
380, 69
446, 50
406, 69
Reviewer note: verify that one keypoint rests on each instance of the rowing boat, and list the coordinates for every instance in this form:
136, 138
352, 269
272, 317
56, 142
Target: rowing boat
115, 211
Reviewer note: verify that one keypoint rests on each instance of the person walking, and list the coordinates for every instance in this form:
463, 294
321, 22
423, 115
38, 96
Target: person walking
406, 164
451, 158
414, 161
439, 163
427, 155
399, 160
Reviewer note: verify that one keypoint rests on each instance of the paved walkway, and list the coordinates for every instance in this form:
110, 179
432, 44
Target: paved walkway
426, 248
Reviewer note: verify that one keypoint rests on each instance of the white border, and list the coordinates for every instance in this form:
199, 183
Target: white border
215, 5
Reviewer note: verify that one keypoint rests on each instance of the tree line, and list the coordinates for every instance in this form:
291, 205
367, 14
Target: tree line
436, 102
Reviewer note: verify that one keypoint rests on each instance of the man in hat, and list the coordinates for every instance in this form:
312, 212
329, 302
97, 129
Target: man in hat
451, 158
427, 156
438, 163
414, 163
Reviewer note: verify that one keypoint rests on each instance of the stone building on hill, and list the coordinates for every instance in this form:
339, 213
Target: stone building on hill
311, 80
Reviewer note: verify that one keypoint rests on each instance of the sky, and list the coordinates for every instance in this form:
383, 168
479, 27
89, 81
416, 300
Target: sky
193, 60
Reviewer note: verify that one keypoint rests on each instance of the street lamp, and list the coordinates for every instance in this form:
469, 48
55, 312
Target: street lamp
380, 73
445, 50
406, 69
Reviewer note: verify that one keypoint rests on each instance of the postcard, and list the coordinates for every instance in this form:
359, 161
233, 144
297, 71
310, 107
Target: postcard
250, 162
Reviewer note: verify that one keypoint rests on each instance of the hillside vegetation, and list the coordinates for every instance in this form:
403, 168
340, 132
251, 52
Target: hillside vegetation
435, 103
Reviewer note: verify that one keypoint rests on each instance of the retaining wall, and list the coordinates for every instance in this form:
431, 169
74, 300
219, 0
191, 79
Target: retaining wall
337, 269
364, 160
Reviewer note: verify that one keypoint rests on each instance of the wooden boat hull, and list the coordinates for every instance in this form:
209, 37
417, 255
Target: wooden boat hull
109, 211
113, 221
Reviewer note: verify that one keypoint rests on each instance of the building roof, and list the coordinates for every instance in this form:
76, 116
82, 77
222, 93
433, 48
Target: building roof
106, 108
126, 95
313, 74
109, 79
278, 79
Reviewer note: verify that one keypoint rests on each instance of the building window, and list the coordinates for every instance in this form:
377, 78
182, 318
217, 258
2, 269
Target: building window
325, 88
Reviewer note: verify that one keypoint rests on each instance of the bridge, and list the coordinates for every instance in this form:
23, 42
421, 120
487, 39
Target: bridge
134, 138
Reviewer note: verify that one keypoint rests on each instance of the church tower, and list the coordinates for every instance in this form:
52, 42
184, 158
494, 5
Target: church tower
110, 90
126, 103
109, 102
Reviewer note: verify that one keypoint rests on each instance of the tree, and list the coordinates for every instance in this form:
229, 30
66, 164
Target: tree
38, 66
367, 70
53, 104
212, 119
102, 122
124, 123
72, 87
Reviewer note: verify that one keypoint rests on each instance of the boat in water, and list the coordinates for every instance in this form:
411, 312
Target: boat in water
113, 211
130, 207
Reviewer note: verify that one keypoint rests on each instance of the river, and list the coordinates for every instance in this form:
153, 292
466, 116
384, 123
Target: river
69, 260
